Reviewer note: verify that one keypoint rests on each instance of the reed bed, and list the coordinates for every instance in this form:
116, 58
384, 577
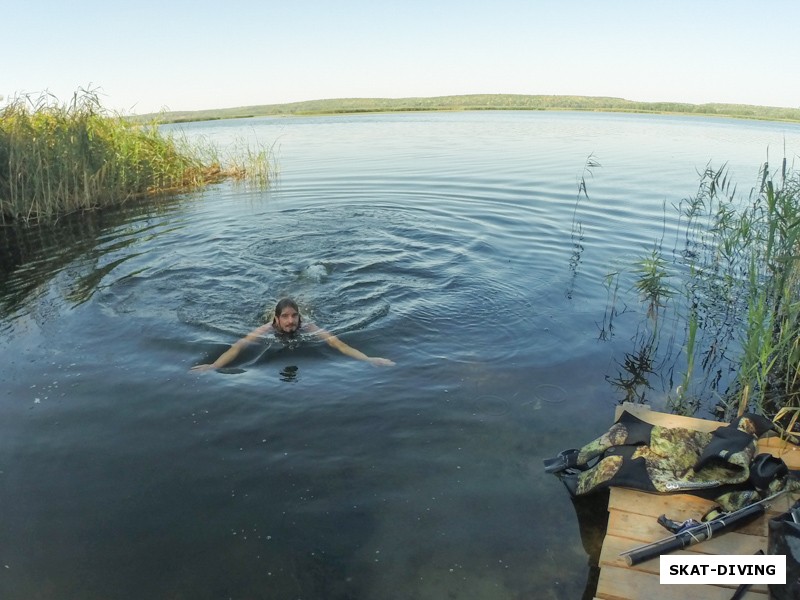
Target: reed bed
744, 263
737, 296
60, 158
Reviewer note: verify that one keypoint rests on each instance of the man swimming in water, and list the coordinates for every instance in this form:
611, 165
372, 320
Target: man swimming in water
287, 322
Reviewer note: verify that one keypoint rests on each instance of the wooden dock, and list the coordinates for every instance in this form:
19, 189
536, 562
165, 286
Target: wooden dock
632, 522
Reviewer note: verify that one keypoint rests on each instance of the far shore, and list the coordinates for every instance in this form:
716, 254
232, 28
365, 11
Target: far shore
480, 102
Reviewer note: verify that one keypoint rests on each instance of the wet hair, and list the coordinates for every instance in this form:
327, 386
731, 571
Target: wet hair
286, 303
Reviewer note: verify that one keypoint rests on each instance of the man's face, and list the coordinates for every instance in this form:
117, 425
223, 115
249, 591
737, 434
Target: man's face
288, 320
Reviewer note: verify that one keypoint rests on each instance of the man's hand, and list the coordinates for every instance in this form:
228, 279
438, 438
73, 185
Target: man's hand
201, 368
380, 362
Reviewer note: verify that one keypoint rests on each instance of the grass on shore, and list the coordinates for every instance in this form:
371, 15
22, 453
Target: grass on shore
60, 158
482, 102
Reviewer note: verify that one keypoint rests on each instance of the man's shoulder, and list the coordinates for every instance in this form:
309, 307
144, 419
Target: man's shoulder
264, 329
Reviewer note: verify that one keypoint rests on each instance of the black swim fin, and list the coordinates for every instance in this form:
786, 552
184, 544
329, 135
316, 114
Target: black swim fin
568, 459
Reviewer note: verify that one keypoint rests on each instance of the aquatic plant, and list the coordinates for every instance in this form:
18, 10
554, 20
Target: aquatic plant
577, 227
59, 158
611, 283
684, 402
651, 281
743, 288
736, 297
637, 367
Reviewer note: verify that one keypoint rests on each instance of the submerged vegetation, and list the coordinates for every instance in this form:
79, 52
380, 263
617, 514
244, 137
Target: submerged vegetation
738, 303
59, 158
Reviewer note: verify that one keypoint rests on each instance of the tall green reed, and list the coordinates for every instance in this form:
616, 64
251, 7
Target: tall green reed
651, 281
684, 402
735, 264
577, 227
743, 288
60, 158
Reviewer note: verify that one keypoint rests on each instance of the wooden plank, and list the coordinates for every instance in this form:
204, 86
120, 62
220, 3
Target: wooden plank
634, 514
677, 506
614, 546
629, 530
782, 449
643, 412
640, 530
632, 522
627, 584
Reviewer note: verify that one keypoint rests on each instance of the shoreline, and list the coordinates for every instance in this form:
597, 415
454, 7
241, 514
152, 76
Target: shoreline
479, 102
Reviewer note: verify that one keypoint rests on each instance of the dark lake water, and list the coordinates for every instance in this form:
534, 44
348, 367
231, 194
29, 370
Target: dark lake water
442, 241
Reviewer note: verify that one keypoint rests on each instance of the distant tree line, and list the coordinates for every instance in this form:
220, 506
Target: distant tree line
483, 102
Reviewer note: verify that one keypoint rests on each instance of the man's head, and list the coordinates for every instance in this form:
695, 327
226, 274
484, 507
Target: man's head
287, 316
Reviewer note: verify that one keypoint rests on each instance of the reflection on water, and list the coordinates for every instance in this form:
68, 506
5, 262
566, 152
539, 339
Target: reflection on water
289, 374
636, 368
592, 515
80, 245
421, 481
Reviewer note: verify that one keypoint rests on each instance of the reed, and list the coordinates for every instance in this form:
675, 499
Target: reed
577, 227
60, 158
681, 402
651, 281
743, 286
736, 264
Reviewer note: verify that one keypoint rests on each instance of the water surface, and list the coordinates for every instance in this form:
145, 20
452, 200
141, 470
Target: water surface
445, 242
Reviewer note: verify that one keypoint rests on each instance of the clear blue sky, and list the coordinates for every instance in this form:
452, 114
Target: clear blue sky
145, 56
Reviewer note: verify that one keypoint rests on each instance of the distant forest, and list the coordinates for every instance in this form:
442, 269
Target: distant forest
480, 102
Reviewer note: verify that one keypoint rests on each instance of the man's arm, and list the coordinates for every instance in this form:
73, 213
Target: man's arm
231, 353
335, 342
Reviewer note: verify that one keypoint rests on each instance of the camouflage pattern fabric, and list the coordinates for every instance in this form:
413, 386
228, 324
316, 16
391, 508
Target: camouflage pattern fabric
636, 454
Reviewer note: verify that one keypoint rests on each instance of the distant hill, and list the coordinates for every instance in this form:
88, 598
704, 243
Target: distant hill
480, 102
